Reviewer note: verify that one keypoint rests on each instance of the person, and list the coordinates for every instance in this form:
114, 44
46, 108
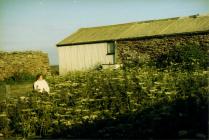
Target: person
40, 84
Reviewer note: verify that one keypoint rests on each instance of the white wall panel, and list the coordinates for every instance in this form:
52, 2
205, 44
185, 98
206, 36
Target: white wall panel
81, 57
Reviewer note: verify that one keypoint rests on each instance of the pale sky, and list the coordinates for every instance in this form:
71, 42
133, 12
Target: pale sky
41, 24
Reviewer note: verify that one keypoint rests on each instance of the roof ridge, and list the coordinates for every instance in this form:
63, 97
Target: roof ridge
149, 21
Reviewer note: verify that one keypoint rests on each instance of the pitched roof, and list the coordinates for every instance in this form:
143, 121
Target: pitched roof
169, 26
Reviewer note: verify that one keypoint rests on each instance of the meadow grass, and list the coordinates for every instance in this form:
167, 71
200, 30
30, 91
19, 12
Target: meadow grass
18, 89
21, 89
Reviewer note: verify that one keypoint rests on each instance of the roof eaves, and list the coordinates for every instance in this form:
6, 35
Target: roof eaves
87, 42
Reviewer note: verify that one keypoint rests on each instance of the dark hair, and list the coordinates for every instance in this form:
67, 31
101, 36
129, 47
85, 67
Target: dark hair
38, 76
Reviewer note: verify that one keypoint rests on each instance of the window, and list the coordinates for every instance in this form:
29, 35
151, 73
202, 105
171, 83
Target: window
110, 48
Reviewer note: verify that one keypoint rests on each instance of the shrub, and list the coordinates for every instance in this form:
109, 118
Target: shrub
189, 57
20, 77
185, 57
54, 69
113, 104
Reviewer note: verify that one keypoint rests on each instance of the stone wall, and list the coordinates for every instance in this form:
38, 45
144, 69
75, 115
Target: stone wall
29, 62
156, 46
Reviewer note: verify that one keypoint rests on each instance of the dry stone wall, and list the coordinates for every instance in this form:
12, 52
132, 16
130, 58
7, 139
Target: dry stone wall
30, 62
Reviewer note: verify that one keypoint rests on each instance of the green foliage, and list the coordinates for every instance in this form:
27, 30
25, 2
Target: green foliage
19, 77
159, 92
54, 69
131, 103
183, 57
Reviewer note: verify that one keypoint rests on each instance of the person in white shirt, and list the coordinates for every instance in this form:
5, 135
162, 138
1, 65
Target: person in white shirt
40, 84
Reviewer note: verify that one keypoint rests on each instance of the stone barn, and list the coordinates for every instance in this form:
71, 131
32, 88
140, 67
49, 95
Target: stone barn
103, 45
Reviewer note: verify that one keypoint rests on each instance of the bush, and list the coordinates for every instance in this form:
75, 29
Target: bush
184, 57
189, 57
54, 69
20, 77
135, 103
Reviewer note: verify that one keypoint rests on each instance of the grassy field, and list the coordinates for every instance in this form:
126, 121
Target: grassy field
21, 89
18, 89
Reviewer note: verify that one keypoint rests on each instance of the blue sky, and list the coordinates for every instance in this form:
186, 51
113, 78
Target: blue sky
41, 24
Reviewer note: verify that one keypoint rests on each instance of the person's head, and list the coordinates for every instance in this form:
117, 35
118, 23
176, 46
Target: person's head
39, 77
